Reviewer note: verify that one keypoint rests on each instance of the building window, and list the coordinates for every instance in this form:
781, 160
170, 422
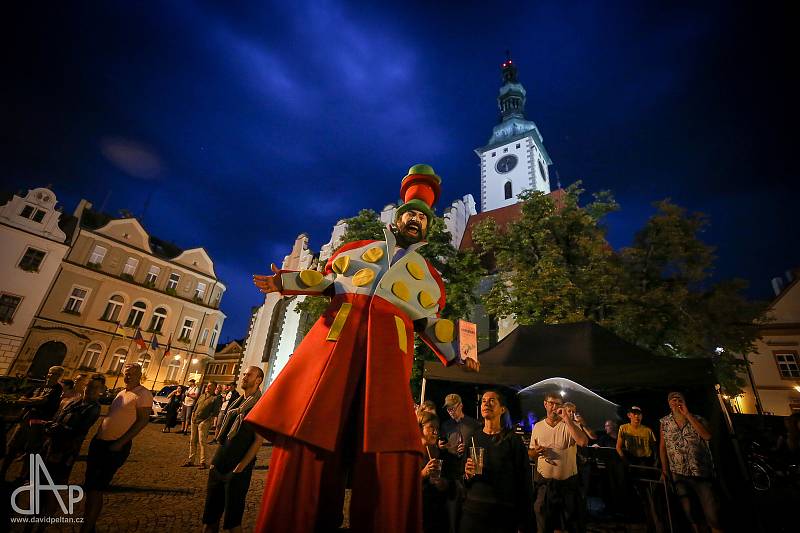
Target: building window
136, 315
117, 361
494, 154
144, 361
788, 364
30, 212
157, 322
130, 266
32, 260
505, 150
200, 291
507, 190
214, 335
91, 357
187, 330
75, 300
173, 369
113, 308
152, 275
98, 254
172, 284
204, 337
8, 306
517, 145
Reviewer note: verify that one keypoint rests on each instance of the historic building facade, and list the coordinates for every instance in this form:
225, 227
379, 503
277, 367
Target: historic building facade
774, 376
226, 365
513, 159
115, 279
33, 246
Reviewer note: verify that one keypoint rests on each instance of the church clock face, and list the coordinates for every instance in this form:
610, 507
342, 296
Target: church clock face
506, 164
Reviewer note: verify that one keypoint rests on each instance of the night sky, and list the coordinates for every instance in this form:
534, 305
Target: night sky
247, 126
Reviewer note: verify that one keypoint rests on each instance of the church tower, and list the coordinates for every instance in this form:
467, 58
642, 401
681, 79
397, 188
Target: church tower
514, 158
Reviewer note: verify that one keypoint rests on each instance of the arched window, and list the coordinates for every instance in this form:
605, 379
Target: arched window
144, 361
173, 369
214, 336
507, 189
118, 361
113, 308
92, 355
136, 315
157, 322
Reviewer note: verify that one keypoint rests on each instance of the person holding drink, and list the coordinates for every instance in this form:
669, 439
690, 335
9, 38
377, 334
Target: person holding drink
497, 475
554, 442
437, 476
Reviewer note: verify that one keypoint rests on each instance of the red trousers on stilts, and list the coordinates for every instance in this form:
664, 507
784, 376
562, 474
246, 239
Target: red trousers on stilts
386, 491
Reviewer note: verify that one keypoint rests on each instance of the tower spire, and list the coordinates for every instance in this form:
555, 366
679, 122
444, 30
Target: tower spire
511, 99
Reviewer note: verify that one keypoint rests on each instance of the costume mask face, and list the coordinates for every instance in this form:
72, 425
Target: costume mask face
412, 226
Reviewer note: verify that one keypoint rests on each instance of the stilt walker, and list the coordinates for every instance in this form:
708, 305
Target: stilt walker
342, 405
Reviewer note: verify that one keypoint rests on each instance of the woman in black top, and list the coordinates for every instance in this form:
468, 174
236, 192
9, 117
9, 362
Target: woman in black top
175, 400
437, 477
500, 498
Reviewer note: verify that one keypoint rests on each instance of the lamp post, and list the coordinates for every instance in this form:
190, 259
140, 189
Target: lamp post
158, 371
121, 365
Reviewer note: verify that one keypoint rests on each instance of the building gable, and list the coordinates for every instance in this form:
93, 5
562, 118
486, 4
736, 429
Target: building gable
129, 231
36, 213
196, 259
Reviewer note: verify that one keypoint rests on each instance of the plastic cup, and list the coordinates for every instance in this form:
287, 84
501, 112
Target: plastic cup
476, 453
436, 471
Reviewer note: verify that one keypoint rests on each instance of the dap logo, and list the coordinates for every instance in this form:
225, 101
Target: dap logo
38, 474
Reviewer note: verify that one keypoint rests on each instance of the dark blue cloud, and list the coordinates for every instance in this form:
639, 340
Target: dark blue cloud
241, 126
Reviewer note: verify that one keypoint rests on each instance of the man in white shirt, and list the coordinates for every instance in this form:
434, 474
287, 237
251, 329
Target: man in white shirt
188, 404
554, 442
128, 415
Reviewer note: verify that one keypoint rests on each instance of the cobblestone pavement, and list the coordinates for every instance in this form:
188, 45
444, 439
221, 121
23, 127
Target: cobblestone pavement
152, 492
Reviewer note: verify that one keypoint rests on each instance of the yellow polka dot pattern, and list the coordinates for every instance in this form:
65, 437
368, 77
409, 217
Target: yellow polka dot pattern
400, 290
444, 330
341, 264
310, 278
363, 277
373, 255
415, 270
426, 300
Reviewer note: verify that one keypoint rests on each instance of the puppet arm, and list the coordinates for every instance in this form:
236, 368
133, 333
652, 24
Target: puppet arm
441, 335
309, 282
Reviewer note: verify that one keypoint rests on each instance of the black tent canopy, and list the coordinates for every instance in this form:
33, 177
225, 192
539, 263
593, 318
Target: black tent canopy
583, 352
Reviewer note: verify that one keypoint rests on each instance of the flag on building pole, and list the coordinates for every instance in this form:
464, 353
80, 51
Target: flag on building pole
139, 340
154, 343
169, 347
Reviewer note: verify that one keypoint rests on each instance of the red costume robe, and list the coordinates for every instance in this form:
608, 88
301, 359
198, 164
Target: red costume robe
351, 372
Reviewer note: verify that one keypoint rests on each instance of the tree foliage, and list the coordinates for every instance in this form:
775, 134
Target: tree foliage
554, 265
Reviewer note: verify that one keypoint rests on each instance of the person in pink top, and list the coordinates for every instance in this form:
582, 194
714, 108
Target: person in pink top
128, 415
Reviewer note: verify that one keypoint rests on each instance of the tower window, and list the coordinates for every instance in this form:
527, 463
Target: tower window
517, 146
505, 150
494, 154
507, 189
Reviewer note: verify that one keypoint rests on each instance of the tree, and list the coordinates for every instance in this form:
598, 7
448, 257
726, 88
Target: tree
554, 265
672, 307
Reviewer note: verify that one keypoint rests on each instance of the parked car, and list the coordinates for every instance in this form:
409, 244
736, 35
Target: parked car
160, 401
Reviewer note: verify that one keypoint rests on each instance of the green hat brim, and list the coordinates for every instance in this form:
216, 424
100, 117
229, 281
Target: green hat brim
418, 205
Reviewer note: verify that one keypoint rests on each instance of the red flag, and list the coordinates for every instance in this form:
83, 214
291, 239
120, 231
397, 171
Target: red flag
139, 340
169, 347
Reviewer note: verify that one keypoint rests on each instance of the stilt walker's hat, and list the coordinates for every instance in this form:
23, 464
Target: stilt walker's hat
419, 190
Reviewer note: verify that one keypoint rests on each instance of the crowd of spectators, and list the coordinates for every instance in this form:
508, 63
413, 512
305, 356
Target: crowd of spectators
478, 476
